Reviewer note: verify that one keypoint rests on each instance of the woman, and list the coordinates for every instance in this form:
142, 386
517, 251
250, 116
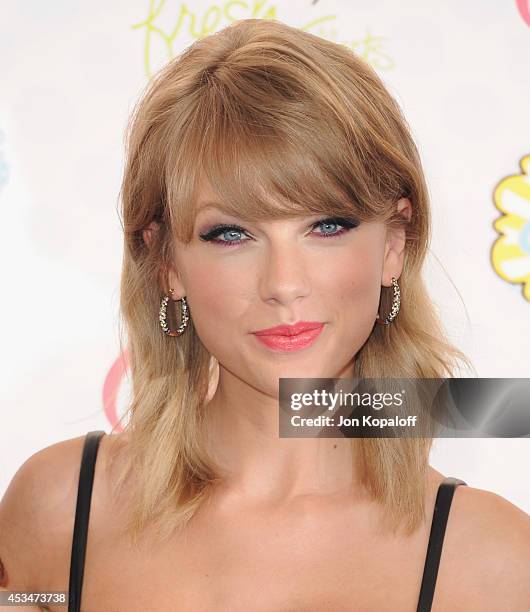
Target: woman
270, 180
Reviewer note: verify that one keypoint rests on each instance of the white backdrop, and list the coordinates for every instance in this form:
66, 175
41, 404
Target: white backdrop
70, 73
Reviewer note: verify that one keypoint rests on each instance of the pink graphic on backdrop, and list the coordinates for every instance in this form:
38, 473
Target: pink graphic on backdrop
111, 387
524, 10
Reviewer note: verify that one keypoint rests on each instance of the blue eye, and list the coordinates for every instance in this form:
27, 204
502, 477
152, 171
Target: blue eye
345, 223
218, 230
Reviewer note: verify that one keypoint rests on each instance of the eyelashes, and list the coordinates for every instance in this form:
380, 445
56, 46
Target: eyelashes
218, 230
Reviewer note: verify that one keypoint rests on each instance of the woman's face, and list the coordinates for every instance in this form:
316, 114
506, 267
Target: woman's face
281, 272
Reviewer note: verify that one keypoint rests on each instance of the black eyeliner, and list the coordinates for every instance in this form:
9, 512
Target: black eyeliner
219, 229
341, 221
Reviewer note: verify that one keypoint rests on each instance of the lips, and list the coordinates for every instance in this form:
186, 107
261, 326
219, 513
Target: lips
289, 330
286, 343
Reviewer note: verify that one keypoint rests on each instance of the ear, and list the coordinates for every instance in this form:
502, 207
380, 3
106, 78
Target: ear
395, 245
168, 277
174, 282
149, 232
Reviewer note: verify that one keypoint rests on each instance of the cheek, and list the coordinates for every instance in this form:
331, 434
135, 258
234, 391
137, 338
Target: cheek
351, 290
215, 298
353, 279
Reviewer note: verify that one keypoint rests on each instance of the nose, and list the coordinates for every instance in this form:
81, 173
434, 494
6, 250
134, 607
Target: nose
283, 274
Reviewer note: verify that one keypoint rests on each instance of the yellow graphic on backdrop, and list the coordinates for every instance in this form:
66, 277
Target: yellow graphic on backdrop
510, 254
190, 24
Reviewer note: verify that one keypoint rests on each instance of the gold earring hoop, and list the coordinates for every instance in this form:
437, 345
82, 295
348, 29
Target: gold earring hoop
163, 316
396, 302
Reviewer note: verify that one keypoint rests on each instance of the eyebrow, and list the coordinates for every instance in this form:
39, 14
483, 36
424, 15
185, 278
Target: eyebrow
212, 204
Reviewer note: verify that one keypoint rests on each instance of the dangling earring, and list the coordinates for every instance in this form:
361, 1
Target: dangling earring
184, 316
396, 302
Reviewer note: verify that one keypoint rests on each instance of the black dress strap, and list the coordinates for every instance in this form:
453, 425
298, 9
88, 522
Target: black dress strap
82, 513
442, 506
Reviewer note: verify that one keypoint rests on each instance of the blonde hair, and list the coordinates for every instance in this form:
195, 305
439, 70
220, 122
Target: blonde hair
281, 122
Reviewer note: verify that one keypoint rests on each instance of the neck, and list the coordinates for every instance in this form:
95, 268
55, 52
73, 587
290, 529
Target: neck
242, 427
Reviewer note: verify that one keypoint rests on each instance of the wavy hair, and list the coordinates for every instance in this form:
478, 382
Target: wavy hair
281, 122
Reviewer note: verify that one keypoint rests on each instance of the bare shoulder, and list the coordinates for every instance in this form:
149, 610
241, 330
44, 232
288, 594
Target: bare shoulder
491, 538
37, 514
506, 525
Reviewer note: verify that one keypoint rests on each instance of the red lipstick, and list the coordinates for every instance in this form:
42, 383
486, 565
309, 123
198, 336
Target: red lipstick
289, 330
290, 337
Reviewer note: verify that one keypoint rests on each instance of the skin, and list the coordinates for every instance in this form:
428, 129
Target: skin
288, 284
290, 528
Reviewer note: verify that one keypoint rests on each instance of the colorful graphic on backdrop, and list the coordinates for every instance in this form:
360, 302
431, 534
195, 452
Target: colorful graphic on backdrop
180, 20
524, 10
510, 254
111, 387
